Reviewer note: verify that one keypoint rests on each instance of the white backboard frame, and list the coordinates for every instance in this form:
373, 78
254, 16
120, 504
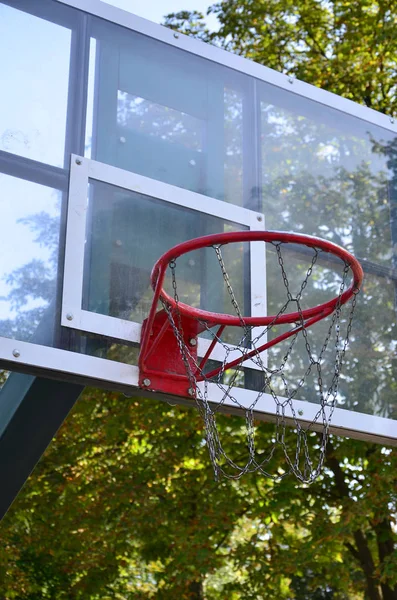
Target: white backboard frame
82, 170
108, 374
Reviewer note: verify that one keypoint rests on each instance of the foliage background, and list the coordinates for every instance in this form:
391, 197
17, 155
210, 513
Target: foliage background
124, 505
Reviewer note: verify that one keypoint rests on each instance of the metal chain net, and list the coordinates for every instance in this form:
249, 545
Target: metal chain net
294, 438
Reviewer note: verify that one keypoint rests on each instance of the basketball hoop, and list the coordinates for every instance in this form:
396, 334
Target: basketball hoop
169, 360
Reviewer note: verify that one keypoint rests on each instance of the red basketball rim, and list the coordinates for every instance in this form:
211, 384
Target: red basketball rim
160, 268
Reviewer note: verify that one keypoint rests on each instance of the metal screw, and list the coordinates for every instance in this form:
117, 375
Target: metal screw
193, 342
391, 119
123, 140
190, 392
300, 412
290, 79
176, 35
146, 382
118, 243
69, 317
78, 161
16, 353
259, 218
192, 162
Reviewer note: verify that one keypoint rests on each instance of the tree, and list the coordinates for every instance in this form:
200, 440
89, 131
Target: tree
348, 48
123, 505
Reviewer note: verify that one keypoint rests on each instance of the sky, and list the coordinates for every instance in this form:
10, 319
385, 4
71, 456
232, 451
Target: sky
154, 10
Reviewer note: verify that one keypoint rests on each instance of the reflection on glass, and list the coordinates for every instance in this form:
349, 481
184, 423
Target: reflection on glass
35, 77
169, 115
148, 118
329, 174
29, 229
326, 174
367, 381
128, 232
103, 347
90, 99
234, 165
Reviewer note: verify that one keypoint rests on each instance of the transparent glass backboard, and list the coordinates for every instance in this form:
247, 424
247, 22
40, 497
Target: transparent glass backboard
175, 140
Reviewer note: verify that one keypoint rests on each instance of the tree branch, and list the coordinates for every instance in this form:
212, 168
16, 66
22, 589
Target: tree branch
352, 550
312, 37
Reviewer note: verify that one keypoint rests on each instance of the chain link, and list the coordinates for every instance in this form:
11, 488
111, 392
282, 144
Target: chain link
299, 461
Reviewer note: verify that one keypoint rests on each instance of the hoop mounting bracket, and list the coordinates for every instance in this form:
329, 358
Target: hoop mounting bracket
161, 367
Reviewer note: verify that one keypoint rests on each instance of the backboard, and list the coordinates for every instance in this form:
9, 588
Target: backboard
128, 139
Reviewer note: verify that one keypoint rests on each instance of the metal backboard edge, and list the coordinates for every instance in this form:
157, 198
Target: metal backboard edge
233, 61
73, 315
167, 192
89, 370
